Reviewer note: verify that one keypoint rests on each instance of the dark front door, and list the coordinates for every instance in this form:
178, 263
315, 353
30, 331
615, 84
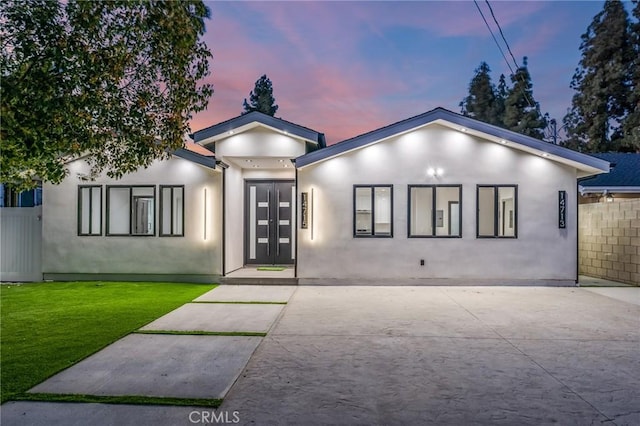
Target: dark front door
269, 222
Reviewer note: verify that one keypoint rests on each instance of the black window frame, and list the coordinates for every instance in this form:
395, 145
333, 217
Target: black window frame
496, 209
161, 215
373, 229
79, 208
131, 207
433, 210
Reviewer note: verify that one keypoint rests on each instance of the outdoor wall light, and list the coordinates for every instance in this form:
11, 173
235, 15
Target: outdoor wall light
435, 172
204, 217
311, 207
607, 196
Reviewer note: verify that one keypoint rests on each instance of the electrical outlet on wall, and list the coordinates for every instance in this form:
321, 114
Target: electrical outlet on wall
421, 262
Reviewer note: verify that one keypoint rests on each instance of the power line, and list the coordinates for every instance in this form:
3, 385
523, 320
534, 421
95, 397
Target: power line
494, 37
501, 33
513, 74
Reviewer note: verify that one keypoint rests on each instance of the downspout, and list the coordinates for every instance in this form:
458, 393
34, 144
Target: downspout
224, 221
295, 231
577, 233
224, 167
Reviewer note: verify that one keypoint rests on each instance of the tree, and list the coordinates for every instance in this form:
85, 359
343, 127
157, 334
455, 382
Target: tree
480, 103
502, 91
261, 98
631, 123
113, 81
601, 82
522, 113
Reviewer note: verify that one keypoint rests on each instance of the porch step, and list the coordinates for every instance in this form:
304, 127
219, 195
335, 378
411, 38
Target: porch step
258, 281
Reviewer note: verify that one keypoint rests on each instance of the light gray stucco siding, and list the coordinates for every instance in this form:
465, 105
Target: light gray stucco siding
540, 251
196, 253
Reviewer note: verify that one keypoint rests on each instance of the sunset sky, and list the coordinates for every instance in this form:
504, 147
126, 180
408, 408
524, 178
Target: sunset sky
345, 68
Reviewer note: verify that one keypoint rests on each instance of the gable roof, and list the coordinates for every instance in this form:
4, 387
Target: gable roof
586, 164
254, 119
623, 177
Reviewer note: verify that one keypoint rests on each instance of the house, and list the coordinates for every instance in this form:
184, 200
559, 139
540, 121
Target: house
622, 181
609, 220
435, 198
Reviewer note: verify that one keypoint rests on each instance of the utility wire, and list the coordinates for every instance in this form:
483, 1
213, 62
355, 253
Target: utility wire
494, 37
513, 74
501, 33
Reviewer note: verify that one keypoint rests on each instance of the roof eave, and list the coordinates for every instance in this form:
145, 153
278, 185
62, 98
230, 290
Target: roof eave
608, 189
585, 163
194, 157
251, 120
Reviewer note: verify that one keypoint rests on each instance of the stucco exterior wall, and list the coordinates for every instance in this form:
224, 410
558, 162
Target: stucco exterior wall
65, 253
541, 250
259, 142
609, 236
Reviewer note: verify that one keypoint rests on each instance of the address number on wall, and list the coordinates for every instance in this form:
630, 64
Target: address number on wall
562, 209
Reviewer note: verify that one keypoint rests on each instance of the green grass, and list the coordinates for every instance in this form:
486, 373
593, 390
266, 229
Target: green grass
126, 399
221, 302
202, 333
47, 327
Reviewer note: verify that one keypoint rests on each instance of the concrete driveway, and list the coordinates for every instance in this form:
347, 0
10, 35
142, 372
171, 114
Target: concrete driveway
420, 355
445, 356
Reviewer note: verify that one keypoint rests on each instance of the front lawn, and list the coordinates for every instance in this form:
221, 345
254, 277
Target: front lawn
47, 327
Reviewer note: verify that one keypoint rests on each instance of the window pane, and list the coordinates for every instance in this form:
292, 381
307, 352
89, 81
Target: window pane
382, 212
177, 210
119, 210
96, 210
448, 211
143, 215
147, 191
85, 211
363, 211
506, 211
166, 211
421, 211
486, 211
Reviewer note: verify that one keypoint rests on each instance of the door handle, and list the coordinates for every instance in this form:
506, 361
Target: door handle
278, 222
268, 219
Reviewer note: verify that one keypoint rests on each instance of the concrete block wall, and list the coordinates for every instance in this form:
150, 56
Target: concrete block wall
609, 240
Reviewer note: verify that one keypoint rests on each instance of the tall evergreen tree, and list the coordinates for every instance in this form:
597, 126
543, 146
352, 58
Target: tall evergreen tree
502, 91
261, 98
601, 82
480, 102
522, 113
631, 124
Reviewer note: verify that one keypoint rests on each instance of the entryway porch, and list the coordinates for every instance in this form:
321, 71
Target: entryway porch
261, 275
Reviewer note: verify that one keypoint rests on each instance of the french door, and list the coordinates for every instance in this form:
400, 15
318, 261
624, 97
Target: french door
269, 222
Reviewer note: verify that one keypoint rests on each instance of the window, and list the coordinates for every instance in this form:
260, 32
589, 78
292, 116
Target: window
11, 198
434, 211
497, 211
89, 210
171, 211
131, 210
373, 212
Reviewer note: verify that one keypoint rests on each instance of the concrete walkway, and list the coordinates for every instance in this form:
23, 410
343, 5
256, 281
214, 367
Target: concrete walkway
412, 355
445, 356
186, 365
